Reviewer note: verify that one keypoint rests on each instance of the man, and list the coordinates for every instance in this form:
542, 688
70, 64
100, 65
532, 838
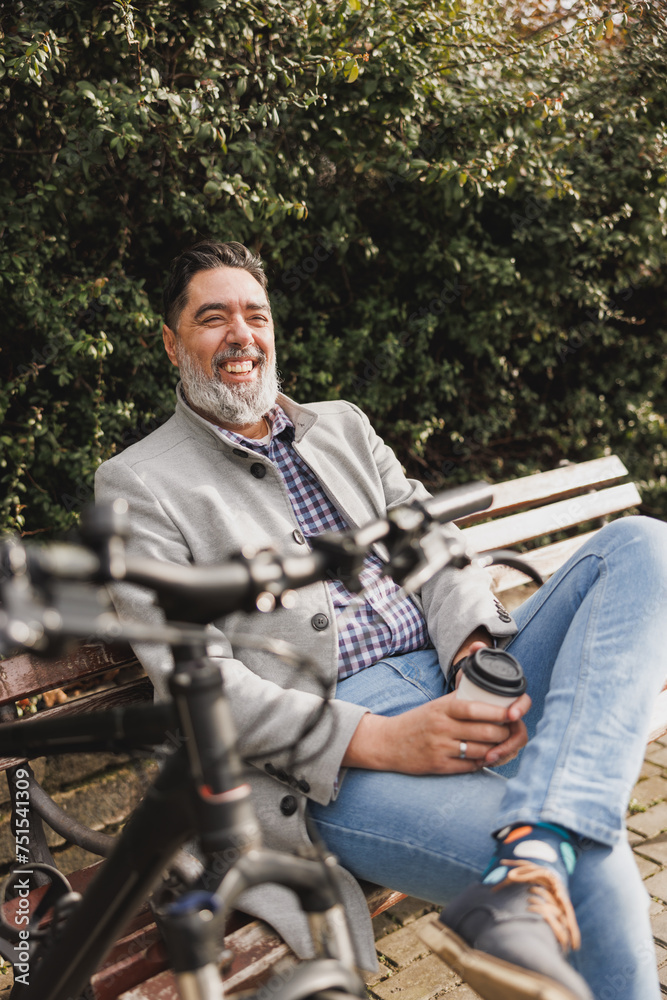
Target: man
397, 776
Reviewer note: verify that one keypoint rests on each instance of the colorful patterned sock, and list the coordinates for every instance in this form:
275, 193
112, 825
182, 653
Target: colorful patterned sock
545, 844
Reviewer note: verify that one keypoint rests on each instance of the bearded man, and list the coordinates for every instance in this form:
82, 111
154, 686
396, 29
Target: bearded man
408, 785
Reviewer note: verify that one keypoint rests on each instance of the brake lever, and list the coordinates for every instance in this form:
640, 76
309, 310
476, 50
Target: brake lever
416, 562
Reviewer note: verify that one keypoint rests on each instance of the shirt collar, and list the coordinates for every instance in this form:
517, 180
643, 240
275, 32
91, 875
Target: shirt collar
279, 422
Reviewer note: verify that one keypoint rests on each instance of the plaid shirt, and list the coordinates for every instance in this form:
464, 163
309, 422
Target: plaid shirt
385, 622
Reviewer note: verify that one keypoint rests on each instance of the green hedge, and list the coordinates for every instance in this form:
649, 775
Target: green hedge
463, 217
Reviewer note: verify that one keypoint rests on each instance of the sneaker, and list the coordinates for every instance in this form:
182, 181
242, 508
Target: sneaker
509, 941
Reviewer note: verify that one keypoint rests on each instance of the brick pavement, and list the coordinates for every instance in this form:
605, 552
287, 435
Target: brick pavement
410, 972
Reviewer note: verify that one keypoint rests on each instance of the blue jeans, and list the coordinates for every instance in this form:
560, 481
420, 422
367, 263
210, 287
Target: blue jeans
592, 643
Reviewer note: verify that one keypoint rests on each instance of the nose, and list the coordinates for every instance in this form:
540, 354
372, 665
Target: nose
239, 334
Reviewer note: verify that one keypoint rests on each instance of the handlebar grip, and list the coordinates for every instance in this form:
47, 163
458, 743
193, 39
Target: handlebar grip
459, 501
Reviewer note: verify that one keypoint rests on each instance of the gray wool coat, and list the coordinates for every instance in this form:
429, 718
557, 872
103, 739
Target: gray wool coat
195, 498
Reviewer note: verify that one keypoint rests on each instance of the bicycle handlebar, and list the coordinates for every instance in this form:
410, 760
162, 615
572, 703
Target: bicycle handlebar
42, 600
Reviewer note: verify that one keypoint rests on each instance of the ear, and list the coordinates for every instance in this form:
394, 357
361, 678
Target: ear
169, 339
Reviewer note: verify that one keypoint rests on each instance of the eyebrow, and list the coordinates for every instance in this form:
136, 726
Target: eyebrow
223, 307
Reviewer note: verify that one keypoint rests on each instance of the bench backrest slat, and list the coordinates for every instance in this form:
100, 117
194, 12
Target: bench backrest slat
545, 487
555, 517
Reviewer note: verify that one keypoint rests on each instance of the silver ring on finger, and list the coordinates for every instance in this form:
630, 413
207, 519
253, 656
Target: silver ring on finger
463, 749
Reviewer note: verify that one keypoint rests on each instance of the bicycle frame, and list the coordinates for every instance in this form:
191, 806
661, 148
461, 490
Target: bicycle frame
198, 792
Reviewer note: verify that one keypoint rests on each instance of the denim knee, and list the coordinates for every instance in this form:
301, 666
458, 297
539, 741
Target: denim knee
643, 538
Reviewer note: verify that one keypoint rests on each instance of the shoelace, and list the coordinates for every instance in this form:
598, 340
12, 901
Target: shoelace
548, 898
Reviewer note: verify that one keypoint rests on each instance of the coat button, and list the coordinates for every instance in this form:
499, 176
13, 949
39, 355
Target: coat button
270, 768
288, 805
319, 622
297, 535
303, 785
258, 470
241, 454
502, 611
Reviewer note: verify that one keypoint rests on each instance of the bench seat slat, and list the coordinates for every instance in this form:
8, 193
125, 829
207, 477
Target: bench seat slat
256, 950
546, 520
546, 561
26, 674
545, 487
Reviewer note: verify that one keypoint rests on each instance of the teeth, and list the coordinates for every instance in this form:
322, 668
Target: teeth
238, 367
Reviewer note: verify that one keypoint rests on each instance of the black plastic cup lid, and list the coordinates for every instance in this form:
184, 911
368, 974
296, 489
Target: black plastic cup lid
496, 671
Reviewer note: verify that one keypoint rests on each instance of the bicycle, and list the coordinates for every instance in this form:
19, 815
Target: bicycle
200, 790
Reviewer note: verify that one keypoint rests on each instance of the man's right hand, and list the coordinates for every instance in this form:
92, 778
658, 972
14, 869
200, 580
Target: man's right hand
427, 739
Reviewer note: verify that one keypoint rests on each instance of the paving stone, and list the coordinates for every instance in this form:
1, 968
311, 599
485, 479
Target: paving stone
106, 800
655, 907
649, 769
383, 924
654, 848
659, 926
7, 981
662, 976
634, 839
656, 885
653, 821
656, 753
423, 980
371, 978
405, 945
72, 858
660, 954
652, 789
65, 770
410, 909
462, 992
646, 867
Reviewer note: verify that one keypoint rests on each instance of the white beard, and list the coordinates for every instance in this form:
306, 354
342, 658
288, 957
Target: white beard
238, 405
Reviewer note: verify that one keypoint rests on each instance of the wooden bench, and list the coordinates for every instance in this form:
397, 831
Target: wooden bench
535, 509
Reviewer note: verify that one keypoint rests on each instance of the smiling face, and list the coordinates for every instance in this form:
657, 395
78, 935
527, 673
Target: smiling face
225, 350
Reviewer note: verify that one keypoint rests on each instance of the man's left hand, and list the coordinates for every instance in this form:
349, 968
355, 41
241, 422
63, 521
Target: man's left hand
506, 751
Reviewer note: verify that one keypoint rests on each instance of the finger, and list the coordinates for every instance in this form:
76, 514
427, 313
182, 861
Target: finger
503, 760
473, 711
482, 732
519, 708
454, 765
510, 747
473, 751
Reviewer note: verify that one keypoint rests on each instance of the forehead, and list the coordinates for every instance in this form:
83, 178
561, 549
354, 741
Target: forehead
230, 285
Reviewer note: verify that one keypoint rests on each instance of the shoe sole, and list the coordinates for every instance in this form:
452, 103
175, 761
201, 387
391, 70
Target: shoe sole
492, 978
